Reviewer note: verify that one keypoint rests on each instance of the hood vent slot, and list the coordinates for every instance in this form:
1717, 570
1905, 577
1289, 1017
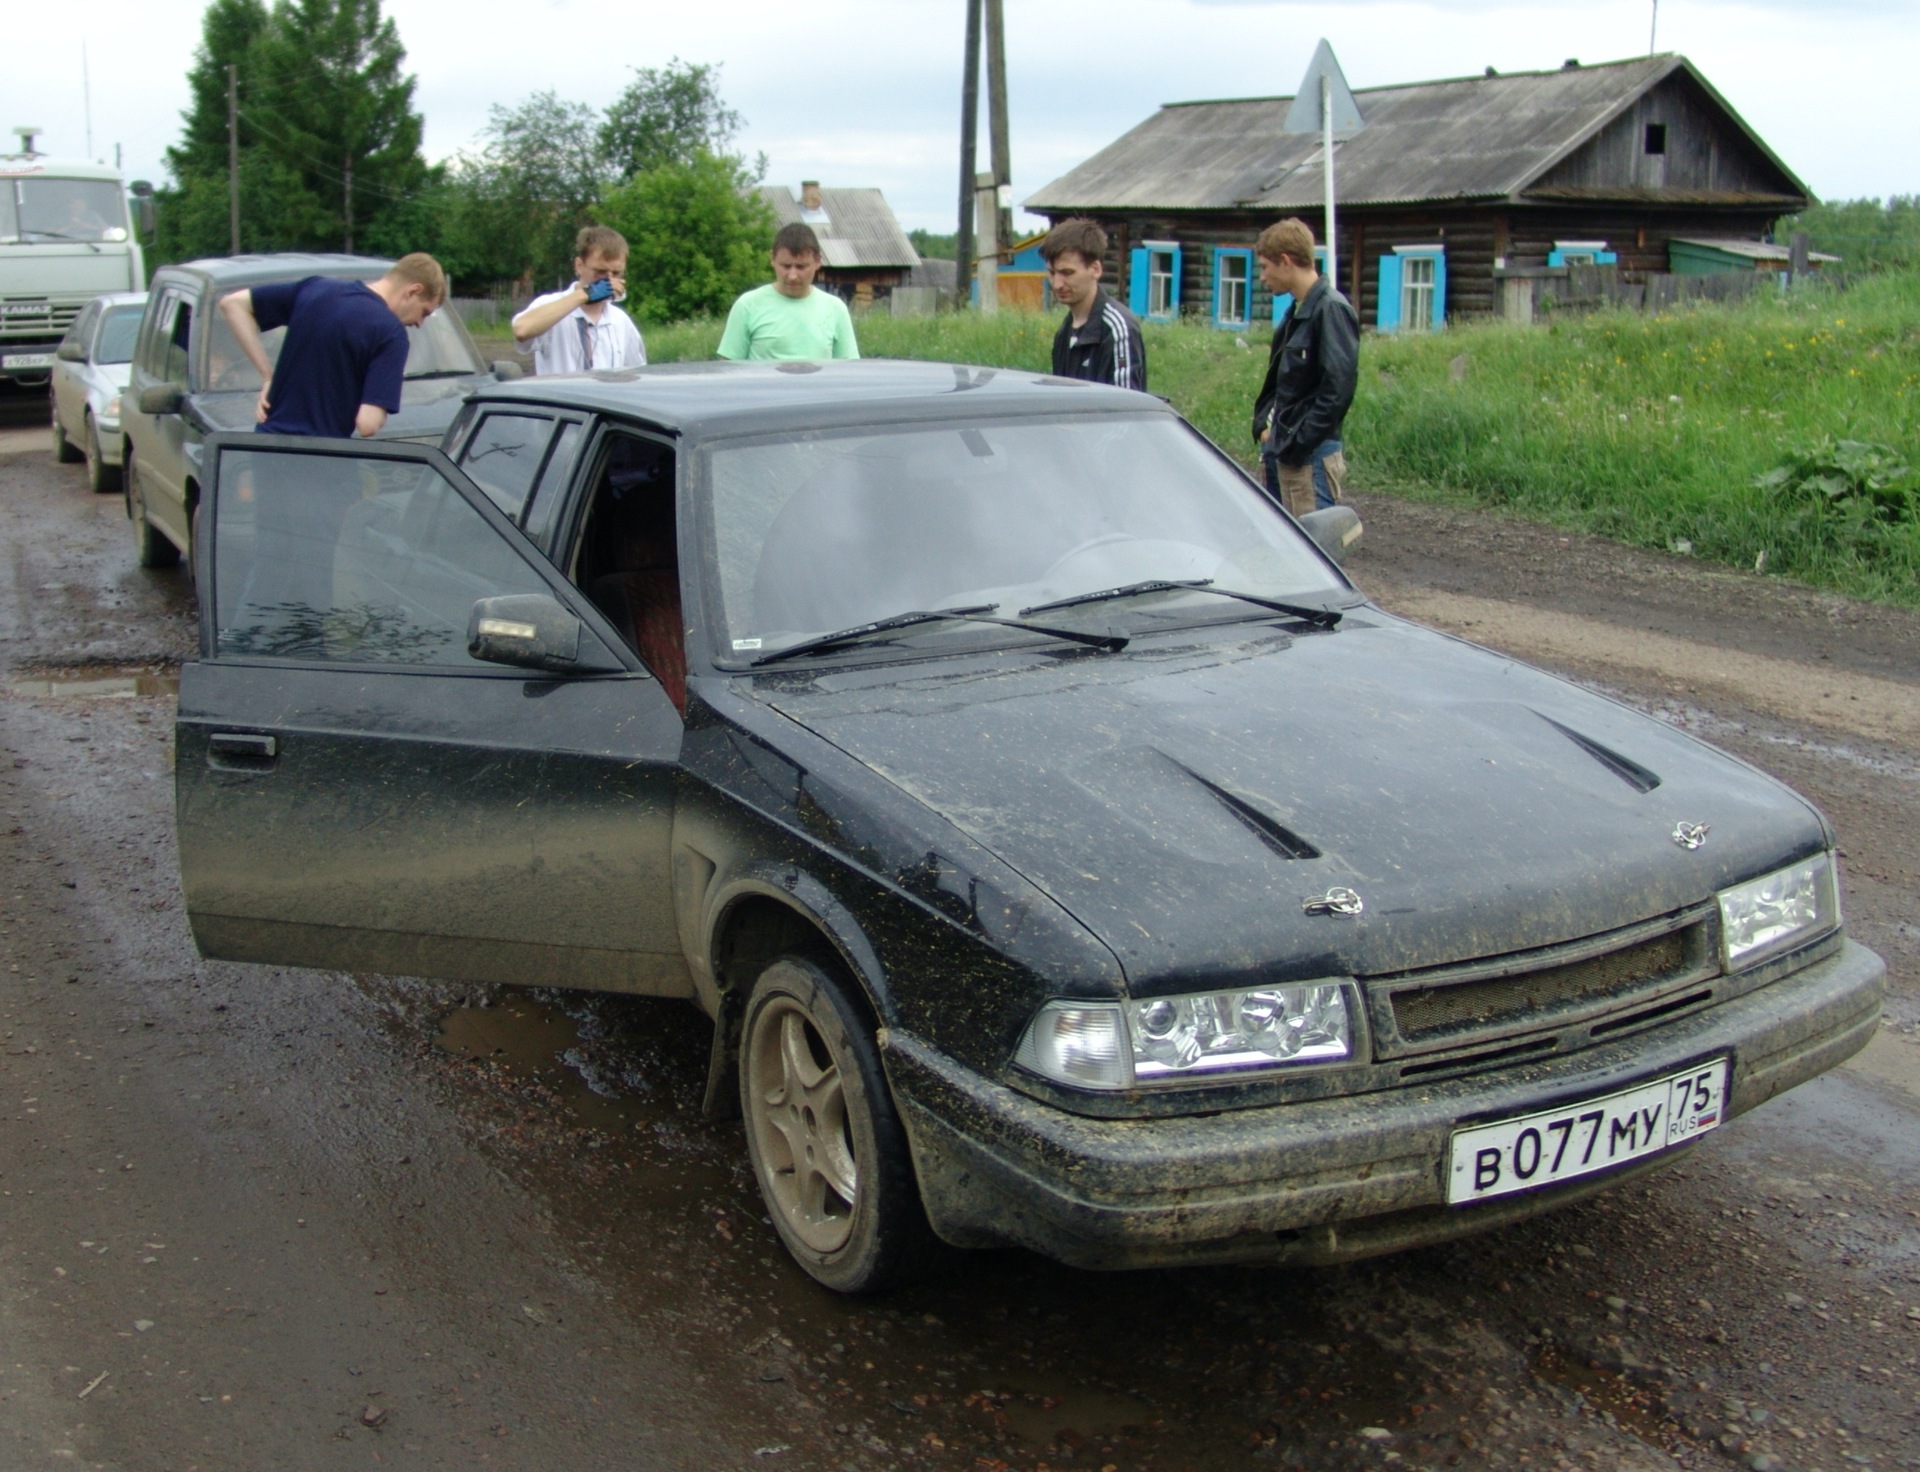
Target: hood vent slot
1275, 835
1639, 778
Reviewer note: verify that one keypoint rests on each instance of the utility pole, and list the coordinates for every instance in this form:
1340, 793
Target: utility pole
997, 121
347, 208
1653, 28
969, 131
233, 159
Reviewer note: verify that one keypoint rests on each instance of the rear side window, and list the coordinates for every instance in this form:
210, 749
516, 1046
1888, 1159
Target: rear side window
504, 454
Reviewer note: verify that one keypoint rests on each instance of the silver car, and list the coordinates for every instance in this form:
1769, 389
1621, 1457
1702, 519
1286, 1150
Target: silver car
89, 374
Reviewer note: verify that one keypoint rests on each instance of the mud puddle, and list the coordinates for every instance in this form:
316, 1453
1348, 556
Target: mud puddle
94, 682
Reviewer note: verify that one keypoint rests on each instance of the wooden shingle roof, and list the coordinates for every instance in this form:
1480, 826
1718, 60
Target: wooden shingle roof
860, 228
1468, 138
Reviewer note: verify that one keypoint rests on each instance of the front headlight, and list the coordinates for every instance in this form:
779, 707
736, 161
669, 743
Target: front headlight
1783, 909
110, 413
1116, 1045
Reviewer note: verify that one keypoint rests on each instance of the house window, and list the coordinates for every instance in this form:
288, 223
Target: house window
1232, 287
1153, 280
1413, 289
1416, 292
1656, 138
1163, 286
1581, 253
1282, 300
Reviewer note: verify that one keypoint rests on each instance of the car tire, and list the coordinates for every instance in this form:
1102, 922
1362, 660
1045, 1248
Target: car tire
65, 451
101, 477
150, 548
828, 1149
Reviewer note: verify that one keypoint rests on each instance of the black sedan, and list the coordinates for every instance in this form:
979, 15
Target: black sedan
1066, 853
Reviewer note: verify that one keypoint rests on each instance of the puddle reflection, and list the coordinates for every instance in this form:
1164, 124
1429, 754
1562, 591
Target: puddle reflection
96, 683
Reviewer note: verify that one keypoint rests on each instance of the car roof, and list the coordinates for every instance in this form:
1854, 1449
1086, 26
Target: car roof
121, 298
723, 398
280, 266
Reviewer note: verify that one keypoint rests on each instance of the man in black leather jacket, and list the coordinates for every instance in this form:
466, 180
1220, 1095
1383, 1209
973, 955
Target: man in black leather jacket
1311, 370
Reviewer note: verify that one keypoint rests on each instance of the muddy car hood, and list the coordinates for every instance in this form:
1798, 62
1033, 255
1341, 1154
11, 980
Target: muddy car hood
427, 407
1185, 798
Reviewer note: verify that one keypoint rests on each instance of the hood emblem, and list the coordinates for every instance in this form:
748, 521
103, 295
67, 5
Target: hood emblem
1691, 835
1336, 901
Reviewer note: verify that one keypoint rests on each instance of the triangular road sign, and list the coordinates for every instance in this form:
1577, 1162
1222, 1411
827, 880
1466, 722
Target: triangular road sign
1304, 115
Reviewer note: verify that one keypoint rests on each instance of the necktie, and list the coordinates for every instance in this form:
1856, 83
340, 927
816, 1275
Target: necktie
586, 342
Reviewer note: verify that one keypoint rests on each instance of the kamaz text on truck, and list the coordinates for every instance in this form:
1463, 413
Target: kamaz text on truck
65, 237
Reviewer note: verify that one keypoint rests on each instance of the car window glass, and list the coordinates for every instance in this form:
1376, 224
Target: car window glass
71, 209
117, 332
174, 370
436, 348
546, 496
337, 558
817, 532
504, 454
81, 325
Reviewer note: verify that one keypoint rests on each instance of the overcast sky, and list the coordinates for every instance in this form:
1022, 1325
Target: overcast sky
867, 92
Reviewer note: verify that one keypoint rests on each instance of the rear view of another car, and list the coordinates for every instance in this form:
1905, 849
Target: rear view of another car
190, 379
89, 376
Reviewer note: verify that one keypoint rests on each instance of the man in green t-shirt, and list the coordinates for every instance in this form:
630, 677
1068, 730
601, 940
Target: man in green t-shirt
791, 318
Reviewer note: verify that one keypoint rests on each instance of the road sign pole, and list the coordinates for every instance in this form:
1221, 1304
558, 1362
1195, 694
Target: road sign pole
1326, 147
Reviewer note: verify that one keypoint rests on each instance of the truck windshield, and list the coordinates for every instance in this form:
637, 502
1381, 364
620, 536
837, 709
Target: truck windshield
437, 348
47, 210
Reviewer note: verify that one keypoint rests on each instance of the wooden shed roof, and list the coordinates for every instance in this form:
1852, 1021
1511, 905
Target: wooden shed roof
859, 229
1467, 138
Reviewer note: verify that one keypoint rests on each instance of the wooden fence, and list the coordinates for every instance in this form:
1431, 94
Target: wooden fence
1528, 294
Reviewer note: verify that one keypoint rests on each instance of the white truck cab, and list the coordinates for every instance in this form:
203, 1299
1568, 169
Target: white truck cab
65, 238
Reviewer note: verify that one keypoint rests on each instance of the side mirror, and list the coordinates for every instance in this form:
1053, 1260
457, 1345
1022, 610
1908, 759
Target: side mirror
70, 352
530, 631
161, 398
1333, 529
506, 368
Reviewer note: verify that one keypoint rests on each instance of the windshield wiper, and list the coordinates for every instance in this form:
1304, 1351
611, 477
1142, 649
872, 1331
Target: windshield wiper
979, 613
1324, 618
444, 373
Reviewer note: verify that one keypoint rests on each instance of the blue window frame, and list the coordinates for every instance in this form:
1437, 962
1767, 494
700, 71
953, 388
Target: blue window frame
1581, 253
1232, 286
1413, 289
1153, 281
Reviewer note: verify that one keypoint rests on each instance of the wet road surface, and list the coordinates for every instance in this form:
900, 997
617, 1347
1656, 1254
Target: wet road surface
254, 1218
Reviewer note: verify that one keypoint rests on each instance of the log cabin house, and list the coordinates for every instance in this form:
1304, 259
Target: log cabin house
1448, 186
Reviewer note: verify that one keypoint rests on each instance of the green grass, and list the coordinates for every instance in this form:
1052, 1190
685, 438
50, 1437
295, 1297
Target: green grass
1648, 429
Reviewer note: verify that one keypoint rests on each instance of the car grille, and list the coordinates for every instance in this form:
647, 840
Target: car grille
36, 318
1585, 990
1465, 1004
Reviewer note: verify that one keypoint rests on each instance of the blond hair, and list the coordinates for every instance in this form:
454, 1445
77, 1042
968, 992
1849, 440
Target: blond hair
1286, 240
420, 269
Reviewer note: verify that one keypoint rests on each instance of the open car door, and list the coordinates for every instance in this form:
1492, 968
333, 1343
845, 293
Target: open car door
357, 790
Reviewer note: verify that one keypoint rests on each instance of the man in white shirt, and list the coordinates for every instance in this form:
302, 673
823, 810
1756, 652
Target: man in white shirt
583, 327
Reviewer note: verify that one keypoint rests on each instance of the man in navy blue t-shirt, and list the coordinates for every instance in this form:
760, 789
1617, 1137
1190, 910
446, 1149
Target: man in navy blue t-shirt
345, 356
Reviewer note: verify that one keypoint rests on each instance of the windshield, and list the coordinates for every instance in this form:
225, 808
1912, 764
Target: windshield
55, 210
437, 348
117, 332
816, 532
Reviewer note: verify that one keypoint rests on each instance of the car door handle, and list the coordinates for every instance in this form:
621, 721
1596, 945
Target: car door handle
244, 744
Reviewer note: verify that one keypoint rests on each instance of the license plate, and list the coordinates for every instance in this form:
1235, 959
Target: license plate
27, 360
1594, 1135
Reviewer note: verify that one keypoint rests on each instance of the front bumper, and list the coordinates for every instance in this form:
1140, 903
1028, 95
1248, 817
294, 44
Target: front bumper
1324, 1180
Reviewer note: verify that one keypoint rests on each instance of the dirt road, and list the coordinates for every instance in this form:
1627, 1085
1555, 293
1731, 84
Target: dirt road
258, 1218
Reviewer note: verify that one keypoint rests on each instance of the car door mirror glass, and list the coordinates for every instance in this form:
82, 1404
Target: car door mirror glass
70, 352
1333, 528
160, 398
528, 631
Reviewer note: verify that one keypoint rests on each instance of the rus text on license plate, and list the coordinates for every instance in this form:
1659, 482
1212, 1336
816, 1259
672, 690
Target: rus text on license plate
1594, 1135
27, 360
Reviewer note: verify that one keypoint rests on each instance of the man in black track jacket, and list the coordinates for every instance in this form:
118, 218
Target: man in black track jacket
1311, 370
1100, 339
